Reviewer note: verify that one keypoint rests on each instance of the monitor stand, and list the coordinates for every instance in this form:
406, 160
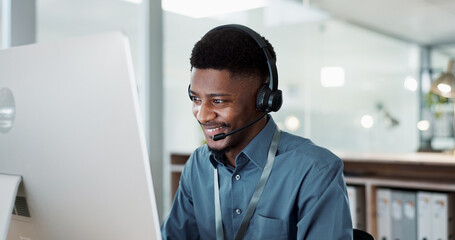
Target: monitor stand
8, 190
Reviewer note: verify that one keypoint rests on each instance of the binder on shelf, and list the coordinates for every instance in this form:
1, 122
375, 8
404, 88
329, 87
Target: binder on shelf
424, 215
451, 216
442, 216
397, 215
409, 215
356, 195
414, 215
384, 209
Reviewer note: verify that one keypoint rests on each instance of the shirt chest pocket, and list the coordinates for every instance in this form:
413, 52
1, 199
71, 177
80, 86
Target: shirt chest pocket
267, 228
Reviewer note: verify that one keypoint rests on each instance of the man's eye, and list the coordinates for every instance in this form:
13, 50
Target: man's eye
195, 99
218, 101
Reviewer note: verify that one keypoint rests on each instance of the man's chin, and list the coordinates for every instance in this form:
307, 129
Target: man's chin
216, 148
218, 145
218, 152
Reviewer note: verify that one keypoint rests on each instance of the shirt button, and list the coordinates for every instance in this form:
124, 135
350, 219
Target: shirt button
238, 211
237, 177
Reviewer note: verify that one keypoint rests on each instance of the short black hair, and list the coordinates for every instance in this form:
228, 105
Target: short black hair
233, 50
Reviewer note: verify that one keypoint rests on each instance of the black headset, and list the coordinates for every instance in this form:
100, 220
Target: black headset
269, 98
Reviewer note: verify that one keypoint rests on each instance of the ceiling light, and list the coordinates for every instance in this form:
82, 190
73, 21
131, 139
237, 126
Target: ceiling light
133, 1
292, 123
444, 88
410, 83
208, 8
332, 76
423, 125
367, 121
445, 84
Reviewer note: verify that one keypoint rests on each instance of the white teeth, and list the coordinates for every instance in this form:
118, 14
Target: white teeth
213, 129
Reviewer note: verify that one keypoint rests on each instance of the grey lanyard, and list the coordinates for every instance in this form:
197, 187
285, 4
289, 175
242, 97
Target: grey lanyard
254, 199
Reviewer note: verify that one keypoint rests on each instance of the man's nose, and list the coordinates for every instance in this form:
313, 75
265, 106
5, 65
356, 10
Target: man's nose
205, 113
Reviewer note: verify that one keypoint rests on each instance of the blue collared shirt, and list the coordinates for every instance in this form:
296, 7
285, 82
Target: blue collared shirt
304, 198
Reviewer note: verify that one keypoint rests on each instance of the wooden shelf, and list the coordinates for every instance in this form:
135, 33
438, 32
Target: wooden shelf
178, 161
414, 171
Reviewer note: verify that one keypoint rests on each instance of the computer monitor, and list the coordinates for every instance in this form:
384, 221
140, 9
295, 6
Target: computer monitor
70, 127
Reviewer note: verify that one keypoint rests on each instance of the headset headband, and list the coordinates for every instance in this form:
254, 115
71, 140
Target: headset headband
271, 62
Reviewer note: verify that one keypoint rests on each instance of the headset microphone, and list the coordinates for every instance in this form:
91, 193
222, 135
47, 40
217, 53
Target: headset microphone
224, 135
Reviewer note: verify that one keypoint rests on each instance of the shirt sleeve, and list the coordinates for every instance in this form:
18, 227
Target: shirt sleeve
324, 206
181, 222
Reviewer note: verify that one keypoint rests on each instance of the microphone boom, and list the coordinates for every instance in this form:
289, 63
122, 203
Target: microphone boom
224, 135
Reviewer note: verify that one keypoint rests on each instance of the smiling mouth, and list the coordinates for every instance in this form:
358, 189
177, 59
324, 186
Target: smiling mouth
214, 129
211, 131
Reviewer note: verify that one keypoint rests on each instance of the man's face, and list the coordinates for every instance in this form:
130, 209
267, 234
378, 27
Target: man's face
222, 105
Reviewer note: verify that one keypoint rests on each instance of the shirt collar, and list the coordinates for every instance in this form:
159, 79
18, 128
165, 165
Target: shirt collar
257, 149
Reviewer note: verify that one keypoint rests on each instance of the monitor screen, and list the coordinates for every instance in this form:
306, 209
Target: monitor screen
70, 126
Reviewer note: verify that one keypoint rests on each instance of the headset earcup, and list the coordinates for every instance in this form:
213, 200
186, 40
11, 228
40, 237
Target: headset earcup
275, 100
262, 98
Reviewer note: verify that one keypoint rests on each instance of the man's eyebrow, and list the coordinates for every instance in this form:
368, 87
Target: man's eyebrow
212, 94
218, 95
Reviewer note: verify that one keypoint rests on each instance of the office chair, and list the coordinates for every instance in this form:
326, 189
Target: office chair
362, 235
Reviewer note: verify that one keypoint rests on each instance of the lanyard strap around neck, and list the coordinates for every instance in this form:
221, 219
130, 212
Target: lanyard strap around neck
254, 199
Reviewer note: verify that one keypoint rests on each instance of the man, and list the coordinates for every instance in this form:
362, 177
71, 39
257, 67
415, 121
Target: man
259, 182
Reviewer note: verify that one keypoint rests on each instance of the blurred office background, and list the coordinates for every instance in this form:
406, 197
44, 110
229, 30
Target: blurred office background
355, 74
